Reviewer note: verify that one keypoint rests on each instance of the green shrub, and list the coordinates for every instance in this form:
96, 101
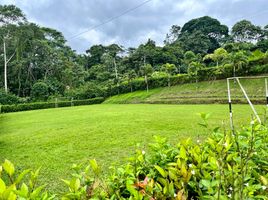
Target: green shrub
21, 186
87, 91
7, 98
39, 91
44, 105
259, 69
226, 166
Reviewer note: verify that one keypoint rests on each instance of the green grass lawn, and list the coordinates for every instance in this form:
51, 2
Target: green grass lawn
56, 138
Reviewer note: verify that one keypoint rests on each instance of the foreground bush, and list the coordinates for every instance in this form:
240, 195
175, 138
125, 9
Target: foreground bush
21, 186
226, 166
44, 105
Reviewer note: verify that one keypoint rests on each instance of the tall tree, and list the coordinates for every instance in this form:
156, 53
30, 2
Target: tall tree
245, 31
204, 30
113, 50
94, 55
131, 75
173, 34
147, 70
10, 17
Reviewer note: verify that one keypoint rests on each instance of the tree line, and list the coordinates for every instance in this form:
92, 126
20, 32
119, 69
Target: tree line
36, 63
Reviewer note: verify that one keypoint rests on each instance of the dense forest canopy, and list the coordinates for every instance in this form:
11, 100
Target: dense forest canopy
37, 64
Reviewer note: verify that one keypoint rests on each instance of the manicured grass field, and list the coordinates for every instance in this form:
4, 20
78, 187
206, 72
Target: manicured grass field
56, 138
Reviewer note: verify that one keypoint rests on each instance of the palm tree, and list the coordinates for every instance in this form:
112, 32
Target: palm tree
131, 75
169, 69
239, 60
193, 70
147, 70
218, 55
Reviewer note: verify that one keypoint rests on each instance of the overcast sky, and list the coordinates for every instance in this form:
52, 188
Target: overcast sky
152, 20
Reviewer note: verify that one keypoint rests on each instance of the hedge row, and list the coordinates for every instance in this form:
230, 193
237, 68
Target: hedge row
44, 105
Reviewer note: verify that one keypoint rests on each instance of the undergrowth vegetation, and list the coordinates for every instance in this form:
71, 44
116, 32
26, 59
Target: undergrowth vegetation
228, 165
45, 105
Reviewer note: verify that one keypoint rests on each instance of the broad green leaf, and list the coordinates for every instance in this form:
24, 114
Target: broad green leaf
75, 184
165, 190
9, 167
171, 188
183, 152
35, 174
36, 192
163, 181
66, 182
21, 176
2, 186
8, 193
161, 171
94, 166
264, 180
205, 183
24, 190
130, 187
172, 175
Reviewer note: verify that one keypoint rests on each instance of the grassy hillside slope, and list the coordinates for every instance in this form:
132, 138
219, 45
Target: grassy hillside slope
192, 93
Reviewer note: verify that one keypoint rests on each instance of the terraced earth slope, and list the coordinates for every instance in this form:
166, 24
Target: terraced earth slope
200, 93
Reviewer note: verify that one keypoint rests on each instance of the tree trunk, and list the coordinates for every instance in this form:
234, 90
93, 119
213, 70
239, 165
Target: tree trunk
196, 80
234, 71
146, 81
144, 60
115, 69
169, 81
19, 80
116, 76
5, 65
